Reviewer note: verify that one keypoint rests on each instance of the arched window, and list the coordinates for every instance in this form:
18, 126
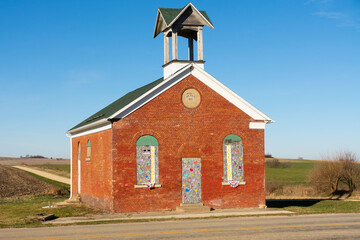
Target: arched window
79, 151
88, 151
233, 159
147, 160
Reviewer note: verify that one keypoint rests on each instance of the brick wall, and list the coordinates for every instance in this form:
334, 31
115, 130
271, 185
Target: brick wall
183, 132
96, 174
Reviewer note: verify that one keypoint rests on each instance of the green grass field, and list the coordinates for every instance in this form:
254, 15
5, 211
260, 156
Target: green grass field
296, 174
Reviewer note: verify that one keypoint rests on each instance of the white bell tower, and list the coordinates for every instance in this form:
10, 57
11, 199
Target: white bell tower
187, 22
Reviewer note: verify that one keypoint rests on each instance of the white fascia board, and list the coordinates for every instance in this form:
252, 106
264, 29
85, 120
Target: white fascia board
154, 92
257, 125
194, 8
182, 11
94, 130
232, 97
156, 22
210, 25
100, 122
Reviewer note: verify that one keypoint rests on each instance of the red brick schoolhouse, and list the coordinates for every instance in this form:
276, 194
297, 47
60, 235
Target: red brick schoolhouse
181, 140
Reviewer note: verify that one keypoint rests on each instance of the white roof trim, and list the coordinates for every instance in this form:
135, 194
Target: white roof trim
194, 8
203, 77
232, 97
256, 125
94, 130
98, 123
152, 93
157, 23
177, 17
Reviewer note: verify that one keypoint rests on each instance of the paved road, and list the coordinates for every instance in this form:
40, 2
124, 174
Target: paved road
45, 174
325, 226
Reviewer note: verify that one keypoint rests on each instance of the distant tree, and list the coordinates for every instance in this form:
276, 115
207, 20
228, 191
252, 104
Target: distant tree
268, 155
32, 156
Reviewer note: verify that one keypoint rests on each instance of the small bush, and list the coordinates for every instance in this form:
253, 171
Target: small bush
59, 191
275, 163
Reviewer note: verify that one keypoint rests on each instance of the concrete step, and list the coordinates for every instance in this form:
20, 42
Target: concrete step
74, 200
192, 207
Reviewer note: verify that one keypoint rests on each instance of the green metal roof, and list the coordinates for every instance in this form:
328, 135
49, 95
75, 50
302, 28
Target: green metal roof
169, 14
118, 104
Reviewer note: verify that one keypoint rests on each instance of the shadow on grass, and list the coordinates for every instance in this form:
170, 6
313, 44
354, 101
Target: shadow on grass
282, 203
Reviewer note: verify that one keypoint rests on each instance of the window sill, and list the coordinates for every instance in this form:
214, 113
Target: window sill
226, 183
144, 186
87, 159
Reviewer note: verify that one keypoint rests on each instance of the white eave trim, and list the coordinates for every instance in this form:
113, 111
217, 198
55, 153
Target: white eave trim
157, 23
177, 17
94, 130
152, 93
257, 125
230, 95
194, 8
98, 123
204, 77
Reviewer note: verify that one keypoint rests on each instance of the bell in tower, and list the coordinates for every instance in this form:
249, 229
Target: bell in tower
187, 22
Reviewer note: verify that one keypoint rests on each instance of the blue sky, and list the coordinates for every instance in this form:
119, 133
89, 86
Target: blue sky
297, 61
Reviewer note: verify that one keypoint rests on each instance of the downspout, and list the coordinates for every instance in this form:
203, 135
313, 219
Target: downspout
71, 163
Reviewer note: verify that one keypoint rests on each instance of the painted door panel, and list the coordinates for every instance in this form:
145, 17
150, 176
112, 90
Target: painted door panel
191, 180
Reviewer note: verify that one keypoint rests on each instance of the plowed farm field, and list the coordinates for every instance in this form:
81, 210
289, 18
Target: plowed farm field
15, 183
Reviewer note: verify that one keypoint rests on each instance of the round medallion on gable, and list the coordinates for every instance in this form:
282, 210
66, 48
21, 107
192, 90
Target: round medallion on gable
191, 98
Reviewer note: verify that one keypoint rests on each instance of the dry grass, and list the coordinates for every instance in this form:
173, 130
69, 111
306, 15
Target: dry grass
278, 191
32, 161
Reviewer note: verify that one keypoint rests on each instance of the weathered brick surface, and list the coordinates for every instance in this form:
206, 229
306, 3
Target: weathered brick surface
96, 174
183, 132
